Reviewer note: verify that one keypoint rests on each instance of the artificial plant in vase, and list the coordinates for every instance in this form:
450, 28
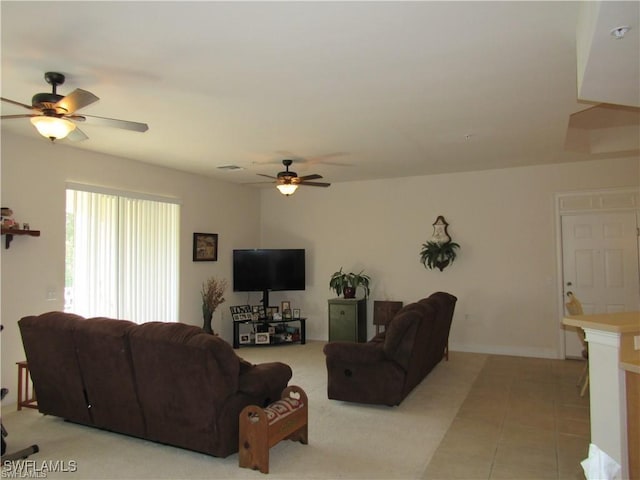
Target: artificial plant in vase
212, 296
347, 283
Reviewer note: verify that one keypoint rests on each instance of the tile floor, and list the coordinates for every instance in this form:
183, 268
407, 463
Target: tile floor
523, 419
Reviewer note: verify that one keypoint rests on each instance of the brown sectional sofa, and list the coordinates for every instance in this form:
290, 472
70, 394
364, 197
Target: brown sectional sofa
388, 367
167, 382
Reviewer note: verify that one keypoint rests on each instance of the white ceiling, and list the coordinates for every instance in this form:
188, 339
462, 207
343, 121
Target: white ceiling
351, 90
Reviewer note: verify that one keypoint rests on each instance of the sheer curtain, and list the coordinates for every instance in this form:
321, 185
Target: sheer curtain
121, 256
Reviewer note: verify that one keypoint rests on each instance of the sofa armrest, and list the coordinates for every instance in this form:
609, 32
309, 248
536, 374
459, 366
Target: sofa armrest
354, 352
260, 379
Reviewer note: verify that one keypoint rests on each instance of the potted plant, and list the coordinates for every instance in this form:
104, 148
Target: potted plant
212, 296
347, 283
434, 254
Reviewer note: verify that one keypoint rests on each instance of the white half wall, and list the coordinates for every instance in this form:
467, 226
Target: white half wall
505, 276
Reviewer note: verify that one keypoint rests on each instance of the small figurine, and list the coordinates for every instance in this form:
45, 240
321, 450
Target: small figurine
7, 218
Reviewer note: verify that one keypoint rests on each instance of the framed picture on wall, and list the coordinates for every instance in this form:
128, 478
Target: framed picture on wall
205, 247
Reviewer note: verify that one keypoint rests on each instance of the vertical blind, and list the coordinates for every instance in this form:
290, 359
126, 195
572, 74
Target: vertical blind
121, 257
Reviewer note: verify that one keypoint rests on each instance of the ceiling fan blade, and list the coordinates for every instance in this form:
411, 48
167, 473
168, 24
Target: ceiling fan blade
258, 183
76, 135
314, 176
112, 122
315, 184
28, 107
26, 115
268, 176
76, 100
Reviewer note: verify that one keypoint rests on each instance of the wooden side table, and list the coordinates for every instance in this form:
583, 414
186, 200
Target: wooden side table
26, 392
383, 312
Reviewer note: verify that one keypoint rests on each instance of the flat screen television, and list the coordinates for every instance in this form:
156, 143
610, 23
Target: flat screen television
264, 270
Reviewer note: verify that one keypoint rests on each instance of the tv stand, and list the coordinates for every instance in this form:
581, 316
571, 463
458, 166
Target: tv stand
265, 300
282, 332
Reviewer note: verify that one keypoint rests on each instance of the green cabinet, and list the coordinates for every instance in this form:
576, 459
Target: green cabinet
348, 320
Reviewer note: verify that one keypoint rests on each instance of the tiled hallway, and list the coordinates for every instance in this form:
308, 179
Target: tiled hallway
523, 418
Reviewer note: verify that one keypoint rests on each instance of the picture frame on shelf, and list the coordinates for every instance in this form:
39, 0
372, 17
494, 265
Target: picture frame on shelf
296, 313
205, 247
285, 305
258, 312
245, 338
271, 311
286, 314
240, 312
262, 338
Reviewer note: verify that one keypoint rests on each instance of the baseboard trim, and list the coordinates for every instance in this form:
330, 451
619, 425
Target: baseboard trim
502, 350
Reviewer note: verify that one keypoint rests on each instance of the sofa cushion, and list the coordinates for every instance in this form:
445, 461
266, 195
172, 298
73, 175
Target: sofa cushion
444, 304
422, 356
184, 377
401, 332
107, 371
50, 349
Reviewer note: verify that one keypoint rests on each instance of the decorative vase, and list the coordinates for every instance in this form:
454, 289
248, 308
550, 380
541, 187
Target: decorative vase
349, 292
207, 315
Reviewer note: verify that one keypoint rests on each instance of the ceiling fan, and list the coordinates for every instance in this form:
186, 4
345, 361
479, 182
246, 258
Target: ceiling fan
54, 115
288, 182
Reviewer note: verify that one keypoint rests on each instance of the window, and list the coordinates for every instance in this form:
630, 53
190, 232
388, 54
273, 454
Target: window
121, 255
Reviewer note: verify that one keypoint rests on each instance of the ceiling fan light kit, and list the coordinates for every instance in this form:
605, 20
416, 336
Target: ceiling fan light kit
53, 128
287, 188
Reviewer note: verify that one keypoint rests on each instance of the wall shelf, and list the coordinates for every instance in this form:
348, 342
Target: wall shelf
10, 232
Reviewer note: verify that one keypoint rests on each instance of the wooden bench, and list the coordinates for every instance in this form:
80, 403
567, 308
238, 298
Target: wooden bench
262, 428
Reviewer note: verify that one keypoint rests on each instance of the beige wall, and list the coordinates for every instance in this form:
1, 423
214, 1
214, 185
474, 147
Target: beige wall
505, 276
34, 173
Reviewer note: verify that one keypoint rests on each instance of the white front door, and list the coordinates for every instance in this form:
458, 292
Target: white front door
600, 265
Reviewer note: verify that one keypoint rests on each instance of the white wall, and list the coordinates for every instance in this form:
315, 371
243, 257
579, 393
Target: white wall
34, 173
505, 275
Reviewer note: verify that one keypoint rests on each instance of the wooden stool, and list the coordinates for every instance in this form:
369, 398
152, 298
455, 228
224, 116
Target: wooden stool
262, 428
26, 395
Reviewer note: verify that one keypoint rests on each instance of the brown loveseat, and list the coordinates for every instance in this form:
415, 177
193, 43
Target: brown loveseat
386, 369
167, 382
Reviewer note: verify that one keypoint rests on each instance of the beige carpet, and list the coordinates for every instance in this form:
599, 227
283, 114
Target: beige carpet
346, 441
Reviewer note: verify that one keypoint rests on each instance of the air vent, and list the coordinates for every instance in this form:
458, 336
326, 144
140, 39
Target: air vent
229, 167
